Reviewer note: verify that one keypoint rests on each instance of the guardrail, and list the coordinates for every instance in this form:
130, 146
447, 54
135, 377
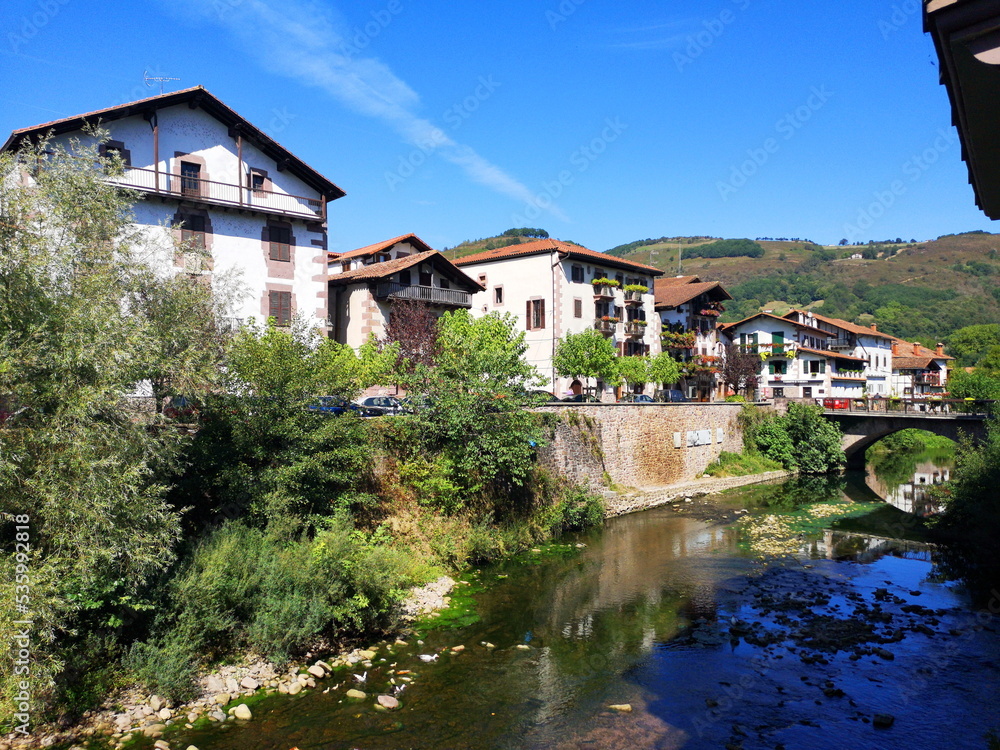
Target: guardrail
430, 294
915, 407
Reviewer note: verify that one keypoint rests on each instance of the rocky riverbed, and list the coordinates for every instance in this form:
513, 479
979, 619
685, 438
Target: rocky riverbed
225, 693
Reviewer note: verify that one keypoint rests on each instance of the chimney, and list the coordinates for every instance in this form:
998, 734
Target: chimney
916, 349
940, 349
875, 328
895, 348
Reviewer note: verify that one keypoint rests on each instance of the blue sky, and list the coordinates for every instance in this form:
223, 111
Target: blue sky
601, 121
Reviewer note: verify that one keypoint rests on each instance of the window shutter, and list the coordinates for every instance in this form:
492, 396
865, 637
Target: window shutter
541, 313
578, 308
527, 316
272, 306
286, 307
822, 367
770, 368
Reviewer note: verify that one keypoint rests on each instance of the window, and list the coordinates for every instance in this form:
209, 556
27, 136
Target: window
345, 266
807, 392
576, 274
443, 282
280, 307
777, 367
779, 392
620, 278
258, 180
578, 308
404, 277
536, 314
382, 258
498, 295
425, 275
604, 308
815, 367
111, 149
190, 178
280, 239
193, 230
482, 279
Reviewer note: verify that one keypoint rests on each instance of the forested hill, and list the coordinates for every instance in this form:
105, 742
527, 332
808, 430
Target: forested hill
916, 290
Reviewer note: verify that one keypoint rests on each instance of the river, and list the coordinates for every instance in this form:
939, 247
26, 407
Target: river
848, 638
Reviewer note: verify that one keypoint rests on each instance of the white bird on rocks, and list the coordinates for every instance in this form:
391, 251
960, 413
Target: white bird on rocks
398, 689
361, 677
428, 657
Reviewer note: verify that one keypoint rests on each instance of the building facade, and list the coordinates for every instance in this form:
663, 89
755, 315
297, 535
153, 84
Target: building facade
365, 283
689, 311
555, 288
918, 372
241, 204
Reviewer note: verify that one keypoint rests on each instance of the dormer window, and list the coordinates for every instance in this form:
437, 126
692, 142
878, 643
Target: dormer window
382, 257
257, 181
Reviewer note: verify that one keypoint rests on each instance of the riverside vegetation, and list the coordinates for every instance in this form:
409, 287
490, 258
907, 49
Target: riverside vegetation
157, 551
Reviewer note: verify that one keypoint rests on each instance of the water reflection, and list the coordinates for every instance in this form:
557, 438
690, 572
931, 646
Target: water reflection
906, 480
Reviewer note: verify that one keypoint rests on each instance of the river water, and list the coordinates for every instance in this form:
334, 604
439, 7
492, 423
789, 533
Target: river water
712, 642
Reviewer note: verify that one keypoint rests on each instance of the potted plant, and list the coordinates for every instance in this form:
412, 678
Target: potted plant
634, 292
605, 287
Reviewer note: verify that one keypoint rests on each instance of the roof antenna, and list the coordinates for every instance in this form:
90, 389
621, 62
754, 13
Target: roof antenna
150, 80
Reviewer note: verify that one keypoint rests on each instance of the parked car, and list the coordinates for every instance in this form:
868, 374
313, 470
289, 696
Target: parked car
672, 396
581, 398
384, 405
179, 407
636, 398
542, 397
335, 406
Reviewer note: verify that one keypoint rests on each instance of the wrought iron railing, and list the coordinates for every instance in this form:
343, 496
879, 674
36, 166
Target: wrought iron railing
430, 294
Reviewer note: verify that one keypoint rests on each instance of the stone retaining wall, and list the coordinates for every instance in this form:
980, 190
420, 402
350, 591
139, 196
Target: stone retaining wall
640, 445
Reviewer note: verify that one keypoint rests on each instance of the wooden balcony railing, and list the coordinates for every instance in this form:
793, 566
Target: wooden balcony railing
188, 187
432, 295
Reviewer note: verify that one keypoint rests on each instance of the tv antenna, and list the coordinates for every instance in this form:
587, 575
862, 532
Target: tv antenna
150, 80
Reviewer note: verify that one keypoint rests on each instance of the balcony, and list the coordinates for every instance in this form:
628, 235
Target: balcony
633, 298
190, 188
857, 375
841, 344
635, 328
432, 295
927, 378
604, 291
606, 326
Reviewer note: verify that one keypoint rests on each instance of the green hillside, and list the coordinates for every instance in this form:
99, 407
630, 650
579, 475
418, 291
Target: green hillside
918, 291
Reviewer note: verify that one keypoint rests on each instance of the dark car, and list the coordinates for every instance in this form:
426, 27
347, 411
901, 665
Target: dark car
636, 398
581, 398
384, 405
335, 406
672, 396
542, 397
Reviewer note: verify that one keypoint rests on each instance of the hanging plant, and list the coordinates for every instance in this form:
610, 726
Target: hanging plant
636, 288
606, 282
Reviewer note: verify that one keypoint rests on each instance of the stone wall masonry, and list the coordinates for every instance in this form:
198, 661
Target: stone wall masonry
639, 445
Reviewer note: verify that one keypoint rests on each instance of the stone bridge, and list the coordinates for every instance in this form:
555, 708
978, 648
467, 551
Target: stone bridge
864, 424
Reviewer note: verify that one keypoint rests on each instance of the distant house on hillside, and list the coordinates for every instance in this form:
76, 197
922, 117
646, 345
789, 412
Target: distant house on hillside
689, 311
242, 201
555, 288
364, 284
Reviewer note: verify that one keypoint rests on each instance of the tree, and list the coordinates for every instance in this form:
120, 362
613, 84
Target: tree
972, 343
664, 369
634, 370
76, 283
740, 370
586, 355
412, 327
977, 384
843, 242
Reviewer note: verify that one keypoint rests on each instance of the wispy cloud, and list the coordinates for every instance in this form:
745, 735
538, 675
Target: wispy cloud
653, 36
302, 40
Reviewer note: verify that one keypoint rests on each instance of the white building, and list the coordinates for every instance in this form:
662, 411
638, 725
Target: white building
689, 310
549, 286
796, 359
869, 345
364, 284
918, 372
233, 191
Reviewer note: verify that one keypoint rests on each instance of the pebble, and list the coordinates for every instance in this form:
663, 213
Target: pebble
625, 708
387, 701
242, 711
356, 694
295, 688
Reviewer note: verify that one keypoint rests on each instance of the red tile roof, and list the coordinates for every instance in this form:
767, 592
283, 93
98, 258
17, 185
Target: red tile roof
831, 354
565, 249
676, 295
842, 324
677, 280
197, 96
914, 363
386, 245
377, 271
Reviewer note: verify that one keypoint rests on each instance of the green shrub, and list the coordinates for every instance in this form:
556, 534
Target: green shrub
579, 509
432, 482
741, 464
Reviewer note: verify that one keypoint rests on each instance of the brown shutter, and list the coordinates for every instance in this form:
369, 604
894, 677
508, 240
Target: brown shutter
527, 317
272, 304
286, 307
541, 311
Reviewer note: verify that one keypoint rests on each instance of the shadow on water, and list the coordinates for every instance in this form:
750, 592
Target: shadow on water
709, 646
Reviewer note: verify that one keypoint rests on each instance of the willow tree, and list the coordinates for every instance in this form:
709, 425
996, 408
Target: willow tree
83, 300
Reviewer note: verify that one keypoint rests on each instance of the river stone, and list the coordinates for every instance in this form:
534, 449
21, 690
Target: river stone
156, 702
302, 678
295, 688
242, 711
232, 686
317, 671
458, 649
191, 747
356, 694
388, 701
214, 684
523, 647
324, 665
164, 713
221, 699
367, 655
625, 708
883, 721
161, 745
218, 716
249, 683
154, 730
